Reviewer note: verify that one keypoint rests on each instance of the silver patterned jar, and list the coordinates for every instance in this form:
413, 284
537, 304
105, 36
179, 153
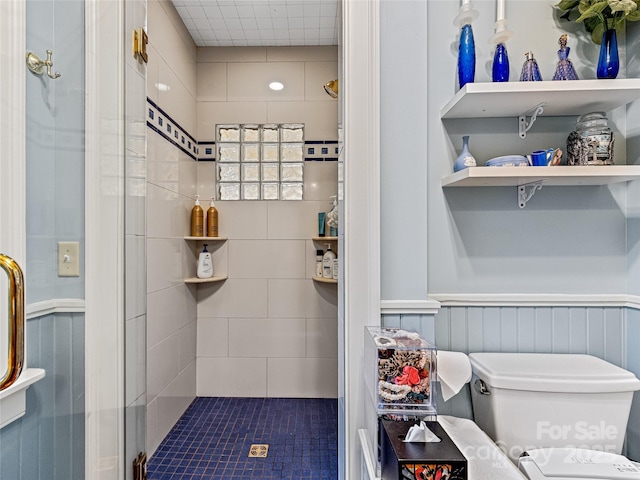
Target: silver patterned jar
592, 142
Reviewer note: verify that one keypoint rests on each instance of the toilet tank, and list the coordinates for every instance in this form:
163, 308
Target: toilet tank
537, 400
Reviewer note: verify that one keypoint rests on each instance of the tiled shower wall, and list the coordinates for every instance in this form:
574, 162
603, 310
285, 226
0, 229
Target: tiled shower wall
170, 189
268, 330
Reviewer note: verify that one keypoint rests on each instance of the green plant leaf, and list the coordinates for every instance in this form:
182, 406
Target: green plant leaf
634, 16
591, 23
567, 4
592, 11
596, 34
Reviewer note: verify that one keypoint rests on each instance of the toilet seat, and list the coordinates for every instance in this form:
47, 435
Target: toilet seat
577, 464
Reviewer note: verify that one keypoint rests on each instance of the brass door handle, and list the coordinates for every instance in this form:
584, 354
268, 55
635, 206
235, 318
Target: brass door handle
16, 321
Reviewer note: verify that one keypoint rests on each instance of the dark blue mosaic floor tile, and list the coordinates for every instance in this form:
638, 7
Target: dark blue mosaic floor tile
211, 441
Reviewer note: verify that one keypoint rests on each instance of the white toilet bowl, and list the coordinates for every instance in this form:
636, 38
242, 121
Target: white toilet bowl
526, 402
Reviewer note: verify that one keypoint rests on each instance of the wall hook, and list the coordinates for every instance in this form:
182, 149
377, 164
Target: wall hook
37, 66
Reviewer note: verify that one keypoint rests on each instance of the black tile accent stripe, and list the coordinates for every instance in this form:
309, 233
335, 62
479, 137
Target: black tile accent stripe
162, 123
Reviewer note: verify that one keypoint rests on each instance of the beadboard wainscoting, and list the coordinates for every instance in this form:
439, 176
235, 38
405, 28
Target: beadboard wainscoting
55, 342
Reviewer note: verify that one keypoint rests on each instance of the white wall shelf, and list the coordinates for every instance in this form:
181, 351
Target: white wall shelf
528, 180
324, 239
549, 176
560, 98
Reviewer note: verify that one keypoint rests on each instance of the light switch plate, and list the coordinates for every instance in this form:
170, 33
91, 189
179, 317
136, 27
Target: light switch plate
68, 259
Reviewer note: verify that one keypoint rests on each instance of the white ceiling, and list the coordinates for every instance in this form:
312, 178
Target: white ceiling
260, 23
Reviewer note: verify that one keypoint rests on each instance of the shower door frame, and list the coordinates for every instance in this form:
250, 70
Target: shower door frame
104, 238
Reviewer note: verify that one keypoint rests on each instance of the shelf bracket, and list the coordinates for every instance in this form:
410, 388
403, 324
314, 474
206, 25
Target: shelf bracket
524, 196
523, 125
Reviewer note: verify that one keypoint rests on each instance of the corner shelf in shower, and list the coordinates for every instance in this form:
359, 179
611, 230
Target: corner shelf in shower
325, 239
324, 280
205, 280
217, 278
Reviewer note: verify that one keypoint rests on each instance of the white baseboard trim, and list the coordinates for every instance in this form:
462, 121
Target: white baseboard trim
536, 300
56, 305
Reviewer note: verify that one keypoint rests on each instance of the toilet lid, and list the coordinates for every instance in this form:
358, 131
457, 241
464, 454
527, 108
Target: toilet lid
577, 463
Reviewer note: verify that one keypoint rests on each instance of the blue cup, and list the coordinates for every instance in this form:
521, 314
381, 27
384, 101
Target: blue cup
539, 158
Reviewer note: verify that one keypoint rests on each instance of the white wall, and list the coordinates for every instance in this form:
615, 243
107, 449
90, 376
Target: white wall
170, 189
268, 330
567, 240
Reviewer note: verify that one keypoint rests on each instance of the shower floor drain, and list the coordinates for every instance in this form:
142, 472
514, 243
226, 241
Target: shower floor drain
258, 450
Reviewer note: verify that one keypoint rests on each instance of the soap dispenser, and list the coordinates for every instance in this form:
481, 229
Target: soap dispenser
327, 262
212, 220
197, 219
205, 264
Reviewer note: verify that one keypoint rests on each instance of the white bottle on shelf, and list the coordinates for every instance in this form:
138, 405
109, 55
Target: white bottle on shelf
334, 272
327, 262
205, 264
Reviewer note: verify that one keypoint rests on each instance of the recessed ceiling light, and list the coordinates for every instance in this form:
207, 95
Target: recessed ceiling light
276, 86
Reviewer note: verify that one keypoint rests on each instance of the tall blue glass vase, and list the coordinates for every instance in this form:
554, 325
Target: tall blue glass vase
608, 61
466, 56
500, 69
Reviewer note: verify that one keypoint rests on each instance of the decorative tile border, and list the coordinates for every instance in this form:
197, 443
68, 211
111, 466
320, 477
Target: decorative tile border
321, 150
163, 124
160, 122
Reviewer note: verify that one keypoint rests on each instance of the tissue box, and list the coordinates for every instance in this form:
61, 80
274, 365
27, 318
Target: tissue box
400, 372
417, 461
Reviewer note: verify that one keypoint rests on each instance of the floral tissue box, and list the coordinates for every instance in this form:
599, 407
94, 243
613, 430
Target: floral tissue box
401, 372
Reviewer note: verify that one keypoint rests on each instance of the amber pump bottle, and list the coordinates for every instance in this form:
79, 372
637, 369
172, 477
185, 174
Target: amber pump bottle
197, 219
212, 220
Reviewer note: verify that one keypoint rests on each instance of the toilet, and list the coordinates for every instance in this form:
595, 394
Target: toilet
556, 416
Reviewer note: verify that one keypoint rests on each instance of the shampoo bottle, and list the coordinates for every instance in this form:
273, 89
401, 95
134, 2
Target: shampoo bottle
327, 262
319, 255
212, 220
197, 219
205, 264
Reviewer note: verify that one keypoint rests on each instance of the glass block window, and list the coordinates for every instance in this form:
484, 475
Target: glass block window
260, 162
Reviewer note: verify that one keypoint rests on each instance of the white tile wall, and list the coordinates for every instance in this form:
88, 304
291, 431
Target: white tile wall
250, 81
171, 186
302, 298
169, 310
231, 377
267, 259
267, 337
213, 337
234, 298
304, 377
320, 338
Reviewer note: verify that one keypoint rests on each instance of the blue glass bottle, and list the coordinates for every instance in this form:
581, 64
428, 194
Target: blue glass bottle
500, 69
466, 56
608, 61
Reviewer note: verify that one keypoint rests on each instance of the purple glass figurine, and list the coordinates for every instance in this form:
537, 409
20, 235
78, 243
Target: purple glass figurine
564, 70
530, 70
